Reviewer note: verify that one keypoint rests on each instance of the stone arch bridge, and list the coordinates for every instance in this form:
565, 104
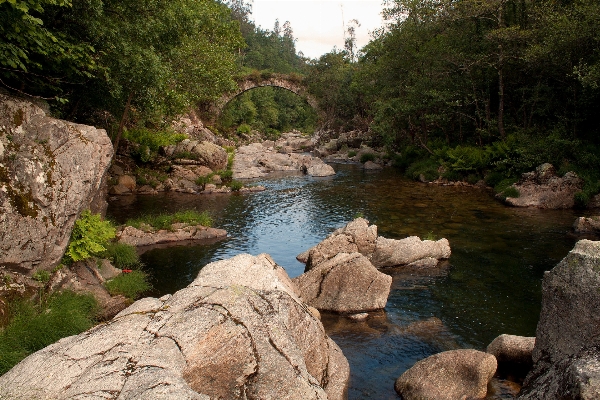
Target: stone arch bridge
288, 82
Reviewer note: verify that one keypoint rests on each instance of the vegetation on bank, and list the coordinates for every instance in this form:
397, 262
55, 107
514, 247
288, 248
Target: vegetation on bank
35, 325
166, 221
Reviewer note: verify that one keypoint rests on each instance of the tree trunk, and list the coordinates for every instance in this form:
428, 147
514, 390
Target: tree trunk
501, 76
122, 123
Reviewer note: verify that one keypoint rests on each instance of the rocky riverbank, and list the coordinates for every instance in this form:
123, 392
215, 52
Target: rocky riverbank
239, 330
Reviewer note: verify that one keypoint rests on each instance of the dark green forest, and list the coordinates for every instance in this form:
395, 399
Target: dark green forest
468, 89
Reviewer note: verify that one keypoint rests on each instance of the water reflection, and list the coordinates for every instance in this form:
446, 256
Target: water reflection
490, 286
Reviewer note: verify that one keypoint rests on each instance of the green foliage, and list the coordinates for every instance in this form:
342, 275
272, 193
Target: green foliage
430, 236
149, 141
130, 285
226, 175
35, 326
510, 191
41, 275
122, 256
367, 157
236, 186
243, 128
427, 167
164, 221
89, 236
351, 153
581, 199
203, 180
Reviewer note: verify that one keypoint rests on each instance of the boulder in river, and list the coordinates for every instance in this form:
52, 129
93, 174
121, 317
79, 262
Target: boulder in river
513, 353
206, 153
359, 236
567, 348
587, 224
347, 283
238, 331
543, 188
450, 375
50, 171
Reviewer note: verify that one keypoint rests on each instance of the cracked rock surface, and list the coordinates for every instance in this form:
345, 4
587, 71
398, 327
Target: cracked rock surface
239, 331
50, 171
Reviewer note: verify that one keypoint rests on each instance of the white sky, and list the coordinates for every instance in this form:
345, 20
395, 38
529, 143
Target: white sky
318, 24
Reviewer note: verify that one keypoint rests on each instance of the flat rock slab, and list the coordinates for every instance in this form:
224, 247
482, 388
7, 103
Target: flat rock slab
234, 338
137, 237
450, 375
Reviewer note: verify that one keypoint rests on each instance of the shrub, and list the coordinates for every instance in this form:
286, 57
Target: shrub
122, 256
351, 154
89, 236
42, 276
226, 175
35, 326
453, 176
236, 186
427, 167
130, 285
203, 180
367, 157
150, 141
581, 199
510, 192
243, 128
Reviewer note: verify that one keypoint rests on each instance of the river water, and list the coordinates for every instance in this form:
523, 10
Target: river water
491, 284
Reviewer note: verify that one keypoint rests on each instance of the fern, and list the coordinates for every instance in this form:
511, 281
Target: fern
90, 235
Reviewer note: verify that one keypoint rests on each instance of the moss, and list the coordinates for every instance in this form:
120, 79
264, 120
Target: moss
20, 199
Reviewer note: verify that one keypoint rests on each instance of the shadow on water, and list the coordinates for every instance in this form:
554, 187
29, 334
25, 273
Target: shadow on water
490, 286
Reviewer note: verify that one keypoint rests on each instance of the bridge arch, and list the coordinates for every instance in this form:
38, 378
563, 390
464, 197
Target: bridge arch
274, 80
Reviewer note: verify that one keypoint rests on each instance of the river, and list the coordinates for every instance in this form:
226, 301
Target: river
491, 284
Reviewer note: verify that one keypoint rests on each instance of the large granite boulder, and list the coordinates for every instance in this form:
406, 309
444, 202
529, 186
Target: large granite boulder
347, 283
238, 331
566, 355
544, 189
356, 236
450, 375
50, 171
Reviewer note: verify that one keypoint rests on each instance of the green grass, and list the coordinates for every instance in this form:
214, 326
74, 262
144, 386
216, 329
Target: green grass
130, 285
122, 256
165, 221
35, 326
510, 192
430, 236
351, 153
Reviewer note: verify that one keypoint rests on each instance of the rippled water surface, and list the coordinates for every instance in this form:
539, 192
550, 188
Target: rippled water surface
491, 284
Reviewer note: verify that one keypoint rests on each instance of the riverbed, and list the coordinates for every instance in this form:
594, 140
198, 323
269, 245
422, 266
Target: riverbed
490, 285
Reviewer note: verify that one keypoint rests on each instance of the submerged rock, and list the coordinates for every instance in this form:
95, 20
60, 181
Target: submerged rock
391, 252
50, 171
238, 331
450, 375
347, 283
567, 348
544, 189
